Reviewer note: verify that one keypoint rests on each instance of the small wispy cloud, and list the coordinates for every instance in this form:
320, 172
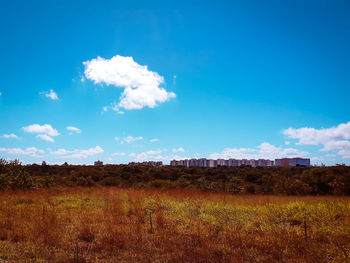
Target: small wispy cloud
36, 128
30, 151
180, 149
119, 154
114, 107
73, 129
154, 140
128, 139
51, 94
45, 137
10, 136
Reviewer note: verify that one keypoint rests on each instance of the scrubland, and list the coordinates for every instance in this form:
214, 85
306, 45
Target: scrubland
109, 224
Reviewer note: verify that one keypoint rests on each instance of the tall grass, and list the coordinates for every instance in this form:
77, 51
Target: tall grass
129, 225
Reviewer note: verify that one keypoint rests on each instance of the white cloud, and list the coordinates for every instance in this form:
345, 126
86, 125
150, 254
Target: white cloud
10, 136
46, 128
263, 151
180, 149
154, 140
128, 139
60, 151
79, 154
73, 129
286, 142
334, 138
30, 151
119, 154
45, 137
52, 95
141, 86
312, 136
113, 106
86, 153
345, 154
317, 159
336, 145
153, 155
152, 152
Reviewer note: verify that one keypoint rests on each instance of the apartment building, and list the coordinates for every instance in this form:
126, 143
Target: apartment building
292, 162
98, 163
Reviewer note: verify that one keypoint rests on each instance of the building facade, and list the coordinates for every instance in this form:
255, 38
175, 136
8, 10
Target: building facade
284, 162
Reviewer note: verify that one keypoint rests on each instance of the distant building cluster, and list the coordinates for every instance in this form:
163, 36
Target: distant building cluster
203, 162
154, 164
98, 163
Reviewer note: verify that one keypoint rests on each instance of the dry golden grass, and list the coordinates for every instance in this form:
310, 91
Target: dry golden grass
129, 225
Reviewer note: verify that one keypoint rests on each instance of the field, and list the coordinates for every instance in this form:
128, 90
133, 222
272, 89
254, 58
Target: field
108, 224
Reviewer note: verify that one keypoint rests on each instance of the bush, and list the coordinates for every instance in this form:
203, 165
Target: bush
162, 184
14, 176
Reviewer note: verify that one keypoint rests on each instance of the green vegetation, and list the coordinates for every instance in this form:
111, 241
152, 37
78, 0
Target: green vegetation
283, 180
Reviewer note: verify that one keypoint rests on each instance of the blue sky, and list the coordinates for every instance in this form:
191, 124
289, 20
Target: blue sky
157, 80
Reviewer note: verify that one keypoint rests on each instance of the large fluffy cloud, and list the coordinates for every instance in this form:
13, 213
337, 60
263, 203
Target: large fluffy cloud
334, 138
312, 136
45, 137
141, 86
263, 151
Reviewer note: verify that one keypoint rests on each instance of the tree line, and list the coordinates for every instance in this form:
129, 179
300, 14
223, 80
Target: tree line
332, 180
